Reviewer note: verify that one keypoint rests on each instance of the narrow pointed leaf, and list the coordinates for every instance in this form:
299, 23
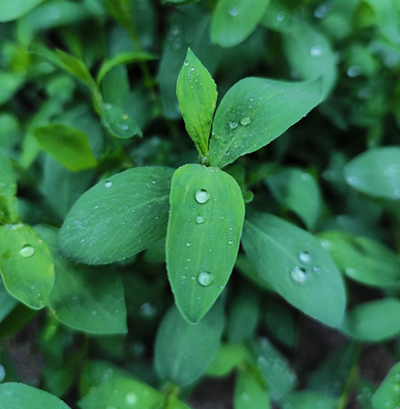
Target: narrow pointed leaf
204, 230
293, 262
388, 394
197, 96
8, 190
179, 356
118, 217
255, 111
376, 172
26, 265
234, 20
15, 9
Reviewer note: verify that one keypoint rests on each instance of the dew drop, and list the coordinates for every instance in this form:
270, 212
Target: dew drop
186, 63
298, 274
234, 11
27, 251
316, 51
281, 16
188, 244
396, 388
124, 127
230, 242
354, 71
108, 183
202, 196
205, 278
304, 257
233, 125
199, 219
131, 398
245, 121
321, 11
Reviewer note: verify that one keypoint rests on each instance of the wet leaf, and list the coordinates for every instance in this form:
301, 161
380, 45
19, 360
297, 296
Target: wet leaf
119, 123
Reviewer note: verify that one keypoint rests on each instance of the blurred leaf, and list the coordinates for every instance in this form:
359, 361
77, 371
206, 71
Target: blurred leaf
119, 123
7, 302
10, 82
388, 393
277, 16
227, 358
16, 9
8, 190
309, 400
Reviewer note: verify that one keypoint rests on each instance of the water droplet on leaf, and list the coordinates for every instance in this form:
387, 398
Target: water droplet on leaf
131, 398
234, 11
233, 125
245, 121
205, 278
202, 196
304, 257
199, 219
316, 51
27, 251
108, 183
281, 16
298, 274
186, 63
354, 71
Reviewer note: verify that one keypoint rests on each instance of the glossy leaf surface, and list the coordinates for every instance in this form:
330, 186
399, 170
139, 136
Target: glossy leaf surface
119, 123
204, 229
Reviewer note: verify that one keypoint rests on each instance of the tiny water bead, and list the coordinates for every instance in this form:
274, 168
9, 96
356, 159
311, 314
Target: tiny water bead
304, 257
108, 183
188, 244
186, 63
202, 196
234, 11
205, 278
131, 398
199, 219
245, 121
353, 71
316, 51
233, 125
27, 251
298, 274
281, 16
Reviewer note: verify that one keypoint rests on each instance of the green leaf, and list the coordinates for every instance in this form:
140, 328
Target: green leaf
20, 396
8, 190
309, 400
388, 394
12, 10
119, 123
293, 262
376, 172
7, 303
274, 368
249, 392
204, 228
118, 217
197, 96
227, 358
362, 259
123, 59
179, 356
234, 20
67, 145
254, 112
310, 55
298, 191
10, 82
373, 321
277, 17
26, 265
178, 2
85, 298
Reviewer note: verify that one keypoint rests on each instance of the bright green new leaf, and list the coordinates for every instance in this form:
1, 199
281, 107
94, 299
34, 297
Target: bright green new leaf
122, 59
255, 111
388, 394
10, 82
197, 96
294, 263
85, 298
234, 20
298, 191
274, 368
309, 400
204, 229
118, 217
11, 10
310, 55
227, 358
362, 259
67, 145
179, 356
373, 321
119, 123
249, 392
376, 172
8, 190
20, 396
26, 265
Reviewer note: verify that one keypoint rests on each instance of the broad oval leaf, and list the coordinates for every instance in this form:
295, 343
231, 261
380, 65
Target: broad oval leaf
15, 9
20, 396
234, 20
118, 217
293, 262
119, 123
26, 265
68, 145
298, 191
373, 321
255, 111
197, 96
204, 229
362, 259
89, 299
227, 358
179, 356
309, 400
388, 394
376, 172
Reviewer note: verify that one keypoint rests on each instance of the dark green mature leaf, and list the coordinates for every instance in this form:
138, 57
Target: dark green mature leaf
310, 55
179, 356
7, 303
67, 145
118, 217
12, 10
249, 392
234, 20
85, 298
376, 172
204, 229
388, 394
309, 400
197, 96
8, 190
373, 321
20, 396
119, 123
294, 263
26, 265
298, 191
362, 259
254, 112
